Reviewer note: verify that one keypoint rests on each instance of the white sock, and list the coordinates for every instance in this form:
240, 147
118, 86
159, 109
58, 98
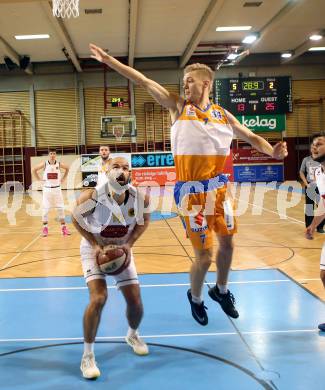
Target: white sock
88, 348
131, 332
223, 288
197, 300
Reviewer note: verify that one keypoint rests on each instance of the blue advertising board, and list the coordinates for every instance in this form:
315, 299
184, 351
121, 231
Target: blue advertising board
253, 173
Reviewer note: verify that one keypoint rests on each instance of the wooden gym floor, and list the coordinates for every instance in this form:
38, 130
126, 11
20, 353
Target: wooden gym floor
263, 241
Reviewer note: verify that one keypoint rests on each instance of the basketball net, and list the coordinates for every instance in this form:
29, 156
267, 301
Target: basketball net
65, 8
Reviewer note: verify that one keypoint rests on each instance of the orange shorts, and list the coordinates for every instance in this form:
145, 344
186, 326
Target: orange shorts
205, 213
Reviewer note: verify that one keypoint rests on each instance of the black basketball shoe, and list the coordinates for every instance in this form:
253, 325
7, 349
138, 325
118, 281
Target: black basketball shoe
198, 310
226, 301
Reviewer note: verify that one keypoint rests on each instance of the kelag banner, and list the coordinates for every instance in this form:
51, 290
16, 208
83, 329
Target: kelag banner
263, 123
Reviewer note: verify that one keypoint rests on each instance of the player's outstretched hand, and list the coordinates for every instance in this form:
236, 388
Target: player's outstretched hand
280, 150
98, 53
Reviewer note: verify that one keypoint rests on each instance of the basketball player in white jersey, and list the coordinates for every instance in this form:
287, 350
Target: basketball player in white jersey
52, 193
103, 165
110, 214
201, 137
318, 146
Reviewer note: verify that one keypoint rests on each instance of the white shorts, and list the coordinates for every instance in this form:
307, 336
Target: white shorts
322, 259
92, 271
52, 198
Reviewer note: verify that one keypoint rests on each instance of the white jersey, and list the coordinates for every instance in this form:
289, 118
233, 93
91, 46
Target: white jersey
109, 222
320, 181
102, 173
52, 174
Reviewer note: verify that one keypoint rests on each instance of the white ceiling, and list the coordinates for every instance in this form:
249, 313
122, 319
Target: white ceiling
166, 26
163, 27
234, 14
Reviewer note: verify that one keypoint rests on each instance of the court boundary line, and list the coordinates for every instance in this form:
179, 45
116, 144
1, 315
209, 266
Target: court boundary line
292, 219
302, 286
253, 375
67, 288
139, 273
159, 246
212, 334
21, 252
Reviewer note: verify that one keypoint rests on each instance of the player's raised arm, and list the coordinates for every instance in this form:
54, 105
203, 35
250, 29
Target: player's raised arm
158, 92
278, 151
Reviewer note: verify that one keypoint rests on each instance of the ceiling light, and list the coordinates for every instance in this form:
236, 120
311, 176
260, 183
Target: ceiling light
249, 39
37, 36
317, 48
315, 37
234, 28
286, 55
232, 56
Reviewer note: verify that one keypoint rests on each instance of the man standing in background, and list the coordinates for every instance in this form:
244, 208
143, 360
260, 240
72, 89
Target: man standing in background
318, 152
52, 193
307, 175
103, 165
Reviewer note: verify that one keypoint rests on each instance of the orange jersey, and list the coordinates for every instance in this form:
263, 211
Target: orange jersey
200, 141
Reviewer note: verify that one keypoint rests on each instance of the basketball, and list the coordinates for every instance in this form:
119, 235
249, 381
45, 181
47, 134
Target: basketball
113, 261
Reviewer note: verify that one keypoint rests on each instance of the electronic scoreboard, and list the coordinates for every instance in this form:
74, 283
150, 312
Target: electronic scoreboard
117, 102
254, 95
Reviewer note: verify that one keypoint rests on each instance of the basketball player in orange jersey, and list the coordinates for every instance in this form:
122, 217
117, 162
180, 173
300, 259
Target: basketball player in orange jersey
103, 164
52, 193
201, 136
110, 214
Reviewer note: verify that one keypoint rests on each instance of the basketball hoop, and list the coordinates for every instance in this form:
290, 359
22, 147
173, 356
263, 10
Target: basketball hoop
118, 131
65, 8
118, 127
